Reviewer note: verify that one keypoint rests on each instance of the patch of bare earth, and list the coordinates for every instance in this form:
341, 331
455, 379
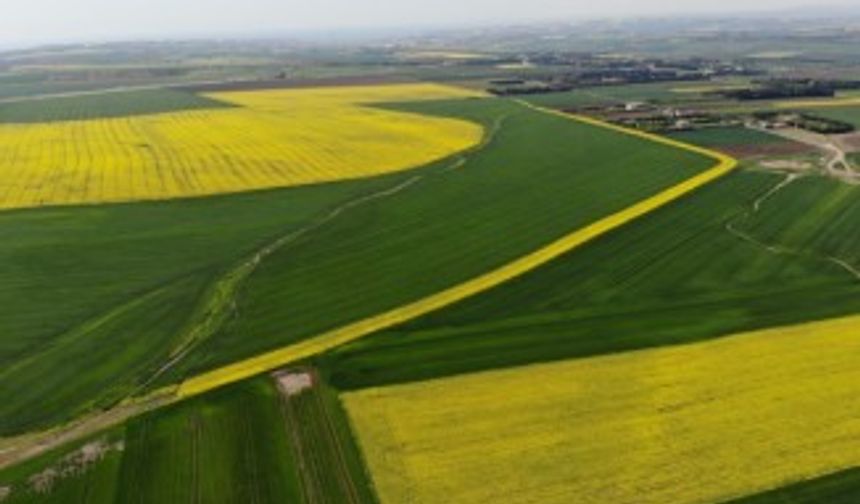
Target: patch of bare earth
302, 402
294, 382
73, 464
849, 142
766, 150
833, 147
26, 446
791, 165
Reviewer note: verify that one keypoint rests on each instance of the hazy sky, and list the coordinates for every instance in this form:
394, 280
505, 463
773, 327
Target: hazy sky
25, 21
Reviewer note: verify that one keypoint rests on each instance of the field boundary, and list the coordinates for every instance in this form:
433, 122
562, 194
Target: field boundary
275, 359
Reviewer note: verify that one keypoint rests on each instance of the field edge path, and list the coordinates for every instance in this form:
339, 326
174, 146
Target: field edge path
274, 359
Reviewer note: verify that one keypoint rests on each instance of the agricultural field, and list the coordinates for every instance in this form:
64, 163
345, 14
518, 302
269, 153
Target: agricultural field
722, 137
231, 446
250, 442
267, 139
813, 217
840, 488
742, 142
88, 472
275, 258
103, 105
554, 432
730, 259
531, 197
821, 103
607, 95
352, 274
75, 279
848, 114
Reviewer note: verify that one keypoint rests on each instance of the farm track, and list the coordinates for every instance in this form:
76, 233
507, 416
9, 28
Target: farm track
16, 449
836, 164
20, 448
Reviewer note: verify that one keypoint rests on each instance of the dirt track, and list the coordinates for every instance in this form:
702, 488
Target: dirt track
833, 147
20, 448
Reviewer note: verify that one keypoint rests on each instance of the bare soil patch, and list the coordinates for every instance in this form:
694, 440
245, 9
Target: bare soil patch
771, 149
849, 142
26, 446
294, 382
75, 463
795, 165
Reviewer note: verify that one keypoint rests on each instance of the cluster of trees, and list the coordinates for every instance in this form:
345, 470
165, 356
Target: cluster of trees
778, 88
791, 88
809, 122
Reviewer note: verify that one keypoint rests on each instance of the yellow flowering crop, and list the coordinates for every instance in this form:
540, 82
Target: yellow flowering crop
689, 424
276, 138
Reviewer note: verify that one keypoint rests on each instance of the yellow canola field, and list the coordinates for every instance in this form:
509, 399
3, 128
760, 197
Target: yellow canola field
276, 138
692, 424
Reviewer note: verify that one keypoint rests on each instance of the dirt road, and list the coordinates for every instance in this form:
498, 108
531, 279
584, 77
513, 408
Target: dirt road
833, 147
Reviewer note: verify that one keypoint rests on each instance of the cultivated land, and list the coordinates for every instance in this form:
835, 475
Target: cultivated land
533, 182
679, 416
726, 137
539, 240
207, 298
231, 446
267, 139
103, 105
847, 114
742, 142
249, 442
605, 95
839, 488
82, 286
729, 259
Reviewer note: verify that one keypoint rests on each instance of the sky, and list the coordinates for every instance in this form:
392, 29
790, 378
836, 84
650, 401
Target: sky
36, 21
